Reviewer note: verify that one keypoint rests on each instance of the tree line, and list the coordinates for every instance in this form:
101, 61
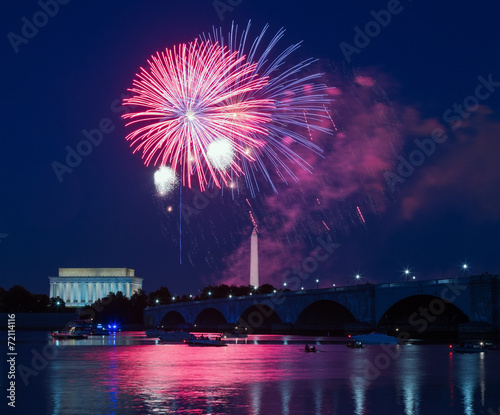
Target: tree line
116, 307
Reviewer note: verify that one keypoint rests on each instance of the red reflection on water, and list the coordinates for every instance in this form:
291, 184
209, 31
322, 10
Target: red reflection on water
172, 375
181, 378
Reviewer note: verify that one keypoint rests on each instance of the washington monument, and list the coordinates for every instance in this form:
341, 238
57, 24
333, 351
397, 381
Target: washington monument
254, 259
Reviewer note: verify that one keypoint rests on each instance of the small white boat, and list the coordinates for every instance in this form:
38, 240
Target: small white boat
205, 341
375, 338
175, 336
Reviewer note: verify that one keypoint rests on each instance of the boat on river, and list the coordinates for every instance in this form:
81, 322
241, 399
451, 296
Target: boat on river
175, 336
68, 334
89, 328
355, 345
375, 338
470, 348
205, 341
99, 330
82, 326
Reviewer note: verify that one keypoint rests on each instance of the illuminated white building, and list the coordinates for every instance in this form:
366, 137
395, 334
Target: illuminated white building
83, 286
254, 259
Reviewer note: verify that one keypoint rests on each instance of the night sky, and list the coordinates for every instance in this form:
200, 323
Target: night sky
410, 178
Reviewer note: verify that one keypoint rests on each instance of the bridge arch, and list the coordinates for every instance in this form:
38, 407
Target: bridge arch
324, 315
259, 318
423, 316
210, 319
172, 320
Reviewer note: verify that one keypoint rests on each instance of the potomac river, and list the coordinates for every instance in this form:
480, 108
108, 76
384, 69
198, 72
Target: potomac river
126, 373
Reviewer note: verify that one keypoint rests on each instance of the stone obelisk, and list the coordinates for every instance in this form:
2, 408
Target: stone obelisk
254, 259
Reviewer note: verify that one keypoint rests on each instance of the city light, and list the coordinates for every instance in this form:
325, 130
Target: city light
465, 266
357, 276
317, 282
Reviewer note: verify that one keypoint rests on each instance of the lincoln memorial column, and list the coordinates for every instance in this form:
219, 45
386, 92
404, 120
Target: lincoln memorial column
79, 288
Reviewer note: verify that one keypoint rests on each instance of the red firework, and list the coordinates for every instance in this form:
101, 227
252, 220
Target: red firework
192, 96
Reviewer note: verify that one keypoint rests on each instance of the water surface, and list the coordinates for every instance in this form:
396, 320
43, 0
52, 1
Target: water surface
129, 374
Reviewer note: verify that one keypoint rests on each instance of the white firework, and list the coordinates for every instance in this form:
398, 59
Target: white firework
165, 180
220, 153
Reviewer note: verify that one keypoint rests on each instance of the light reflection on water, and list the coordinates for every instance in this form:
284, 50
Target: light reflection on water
410, 379
128, 374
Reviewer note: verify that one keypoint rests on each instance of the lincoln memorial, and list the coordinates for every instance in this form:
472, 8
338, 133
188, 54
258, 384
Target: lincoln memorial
79, 287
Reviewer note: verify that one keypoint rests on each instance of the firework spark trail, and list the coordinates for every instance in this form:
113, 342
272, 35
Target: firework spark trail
326, 226
331, 119
360, 214
254, 222
308, 128
234, 90
192, 96
293, 95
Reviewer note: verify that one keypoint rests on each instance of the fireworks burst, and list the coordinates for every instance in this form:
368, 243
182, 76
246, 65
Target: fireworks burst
165, 180
216, 110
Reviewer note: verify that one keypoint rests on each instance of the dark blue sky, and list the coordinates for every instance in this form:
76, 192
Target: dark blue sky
398, 89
